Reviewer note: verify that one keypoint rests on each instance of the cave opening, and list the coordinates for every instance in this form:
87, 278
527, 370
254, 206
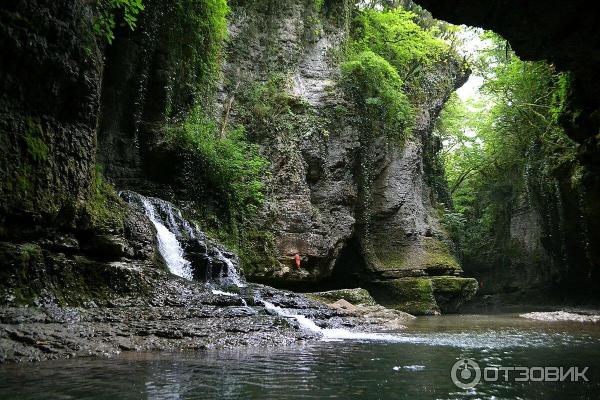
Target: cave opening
350, 267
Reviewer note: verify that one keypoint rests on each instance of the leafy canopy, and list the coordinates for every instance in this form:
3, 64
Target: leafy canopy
395, 36
505, 148
387, 51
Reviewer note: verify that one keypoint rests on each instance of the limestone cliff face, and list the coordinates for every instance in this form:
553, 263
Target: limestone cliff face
311, 190
357, 208
403, 235
47, 124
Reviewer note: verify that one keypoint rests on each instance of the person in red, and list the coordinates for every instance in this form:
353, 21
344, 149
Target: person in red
297, 258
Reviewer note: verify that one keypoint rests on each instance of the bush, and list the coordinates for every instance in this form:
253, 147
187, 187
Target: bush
376, 89
108, 10
396, 37
231, 166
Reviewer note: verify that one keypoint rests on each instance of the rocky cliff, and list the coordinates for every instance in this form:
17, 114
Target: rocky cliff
65, 236
358, 208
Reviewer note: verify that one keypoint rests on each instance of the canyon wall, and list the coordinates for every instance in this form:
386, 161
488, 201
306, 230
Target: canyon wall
360, 210
550, 247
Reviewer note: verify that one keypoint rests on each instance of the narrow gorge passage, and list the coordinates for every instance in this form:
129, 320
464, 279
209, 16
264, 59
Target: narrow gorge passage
299, 199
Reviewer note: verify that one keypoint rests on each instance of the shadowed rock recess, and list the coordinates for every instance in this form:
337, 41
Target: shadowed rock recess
88, 266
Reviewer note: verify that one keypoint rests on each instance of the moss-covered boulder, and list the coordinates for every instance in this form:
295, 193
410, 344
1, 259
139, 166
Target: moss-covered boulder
411, 295
354, 296
425, 295
451, 292
425, 256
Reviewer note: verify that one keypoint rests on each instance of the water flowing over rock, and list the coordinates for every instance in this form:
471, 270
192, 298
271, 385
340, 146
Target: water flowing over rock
188, 252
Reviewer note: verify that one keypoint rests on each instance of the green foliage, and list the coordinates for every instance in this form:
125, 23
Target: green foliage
199, 29
271, 100
36, 147
111, 11
319, 5
387, 57
267, 109
376, 89
230, 165
104, 207
395, 36
505, 149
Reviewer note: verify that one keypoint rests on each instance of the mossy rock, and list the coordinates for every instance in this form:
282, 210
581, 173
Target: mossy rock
451, 292
430, 254
438, 256
354, 296
31, 273
411, 295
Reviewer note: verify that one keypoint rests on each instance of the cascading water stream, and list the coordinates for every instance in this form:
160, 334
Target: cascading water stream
331, 334
232, 273
168, 245
175, 235
169, 223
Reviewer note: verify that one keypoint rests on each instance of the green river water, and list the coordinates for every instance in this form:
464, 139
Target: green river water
415, 364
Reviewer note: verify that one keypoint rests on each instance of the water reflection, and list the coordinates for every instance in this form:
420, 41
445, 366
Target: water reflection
417, 368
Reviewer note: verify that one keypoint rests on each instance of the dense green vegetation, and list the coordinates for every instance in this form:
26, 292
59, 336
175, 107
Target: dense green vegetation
217, 156
111, 12
504, 151
196, 42
386, 57
377, 90
230, 165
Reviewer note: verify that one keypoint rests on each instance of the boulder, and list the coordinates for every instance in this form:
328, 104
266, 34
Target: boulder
451, 292
354, 296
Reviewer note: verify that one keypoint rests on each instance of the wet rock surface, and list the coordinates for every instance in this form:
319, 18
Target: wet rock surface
354, 296
177, 315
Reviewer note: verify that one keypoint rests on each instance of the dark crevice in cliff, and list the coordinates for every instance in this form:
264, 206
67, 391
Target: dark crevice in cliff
350, 267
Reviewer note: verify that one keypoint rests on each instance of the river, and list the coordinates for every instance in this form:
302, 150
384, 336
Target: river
415, 364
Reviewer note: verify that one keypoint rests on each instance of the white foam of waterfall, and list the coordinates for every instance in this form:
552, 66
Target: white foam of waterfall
232, 273
222, 293
331, 334
168, 245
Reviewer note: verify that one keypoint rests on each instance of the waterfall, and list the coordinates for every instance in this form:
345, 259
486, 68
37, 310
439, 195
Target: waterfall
187, 250
330, 334
222, 293
302, 320
168, 245
172, 229
231, 272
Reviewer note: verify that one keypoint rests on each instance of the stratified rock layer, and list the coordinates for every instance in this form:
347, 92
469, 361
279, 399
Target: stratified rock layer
347, 231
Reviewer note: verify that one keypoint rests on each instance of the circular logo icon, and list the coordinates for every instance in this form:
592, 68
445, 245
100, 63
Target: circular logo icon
465, 373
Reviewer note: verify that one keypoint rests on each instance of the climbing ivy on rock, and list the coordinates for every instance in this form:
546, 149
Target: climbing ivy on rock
112, 12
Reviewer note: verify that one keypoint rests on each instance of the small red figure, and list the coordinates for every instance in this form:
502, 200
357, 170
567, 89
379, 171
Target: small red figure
297, 258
